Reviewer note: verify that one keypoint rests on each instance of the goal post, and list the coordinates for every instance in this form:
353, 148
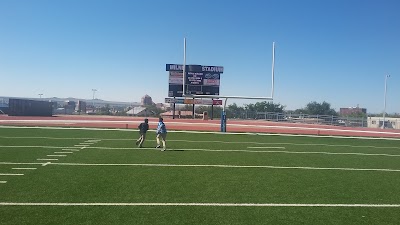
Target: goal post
223, 113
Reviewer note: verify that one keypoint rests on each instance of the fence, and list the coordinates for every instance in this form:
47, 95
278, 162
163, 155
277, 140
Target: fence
301, 118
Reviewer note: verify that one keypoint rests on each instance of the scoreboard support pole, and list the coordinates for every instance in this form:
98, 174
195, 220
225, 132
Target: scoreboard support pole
223, 117
223, 121
173, 108
193, 111
212, 110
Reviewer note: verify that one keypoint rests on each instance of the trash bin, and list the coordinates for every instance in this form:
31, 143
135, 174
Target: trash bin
205, 115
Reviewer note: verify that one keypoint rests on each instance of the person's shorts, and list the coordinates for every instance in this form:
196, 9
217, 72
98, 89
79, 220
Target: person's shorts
162, 135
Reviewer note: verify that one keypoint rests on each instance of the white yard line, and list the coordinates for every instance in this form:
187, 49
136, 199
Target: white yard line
70, 149
285, 143
3, 181
23, 168
13, 163
219, 133
330, 153
258, 151
47, 163
33, 146
199, 204
199, 165
267, 147
11, 174
224, 142
226, 166
92, 141
266, 126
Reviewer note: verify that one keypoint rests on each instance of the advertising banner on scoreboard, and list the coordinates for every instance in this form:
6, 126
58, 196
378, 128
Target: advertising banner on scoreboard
175, 77
194, 78
200, 80
195, 68
195, 101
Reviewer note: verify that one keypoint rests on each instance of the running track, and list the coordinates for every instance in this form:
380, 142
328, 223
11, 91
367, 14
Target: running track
253, 126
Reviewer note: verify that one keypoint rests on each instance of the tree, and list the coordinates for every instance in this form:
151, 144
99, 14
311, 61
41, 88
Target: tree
234, 111
315, 108
358, 115
265, 106
216, 110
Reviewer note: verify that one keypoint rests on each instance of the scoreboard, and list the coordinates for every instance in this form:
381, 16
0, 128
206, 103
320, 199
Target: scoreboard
200, 80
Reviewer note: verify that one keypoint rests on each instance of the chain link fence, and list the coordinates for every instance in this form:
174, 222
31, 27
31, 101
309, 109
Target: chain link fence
300, 118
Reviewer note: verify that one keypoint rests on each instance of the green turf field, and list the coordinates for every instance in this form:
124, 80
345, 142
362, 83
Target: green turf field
77, 176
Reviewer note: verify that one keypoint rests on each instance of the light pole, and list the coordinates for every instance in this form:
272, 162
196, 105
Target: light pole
40, 95
384, 101
94, 91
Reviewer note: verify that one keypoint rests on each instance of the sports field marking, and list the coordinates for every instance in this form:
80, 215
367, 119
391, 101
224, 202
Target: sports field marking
212, 150
56, 155
70, 149
186, 149
47, 159
267, 147
197, 124
217, 166
3, 181
11, 174
221, 166
286, 143
210, 132
328, 145
81, 145
258, 151
92, 141
225, 142
24, 168
331, 153
13, 163
199, 204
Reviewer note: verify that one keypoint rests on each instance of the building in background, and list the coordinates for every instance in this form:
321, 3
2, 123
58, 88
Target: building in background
80, 107
3, 108
352, 110
139, 111
25, 107
147, 100
377, 122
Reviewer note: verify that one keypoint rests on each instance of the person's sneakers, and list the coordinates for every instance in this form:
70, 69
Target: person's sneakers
163, 149
139, 146
158, 146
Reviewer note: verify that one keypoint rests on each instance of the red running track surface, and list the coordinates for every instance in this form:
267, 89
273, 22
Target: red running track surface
252, 126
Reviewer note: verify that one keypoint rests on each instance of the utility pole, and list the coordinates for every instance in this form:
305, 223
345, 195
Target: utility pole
94, 91
384, 101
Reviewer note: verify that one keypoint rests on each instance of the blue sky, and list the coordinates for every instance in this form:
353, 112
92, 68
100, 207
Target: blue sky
335, 51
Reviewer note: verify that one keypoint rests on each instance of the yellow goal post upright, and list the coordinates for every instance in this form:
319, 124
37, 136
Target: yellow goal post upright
223, 113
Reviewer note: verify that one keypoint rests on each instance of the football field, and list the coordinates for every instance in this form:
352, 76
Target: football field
99, 176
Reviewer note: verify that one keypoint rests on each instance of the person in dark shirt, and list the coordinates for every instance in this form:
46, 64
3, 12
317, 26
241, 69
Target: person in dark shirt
143, 128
